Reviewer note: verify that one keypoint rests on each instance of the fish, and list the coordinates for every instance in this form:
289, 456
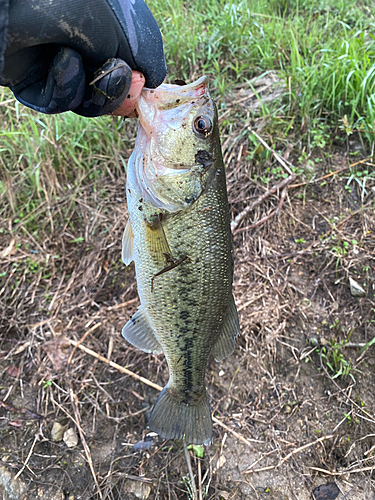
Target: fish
179, 237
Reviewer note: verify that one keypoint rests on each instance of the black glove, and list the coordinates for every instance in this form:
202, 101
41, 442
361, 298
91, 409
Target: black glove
56, 49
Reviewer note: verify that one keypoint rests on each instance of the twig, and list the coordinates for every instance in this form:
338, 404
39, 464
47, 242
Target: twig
13, 409
200, 492
192, 480
283, 460
276, 155
234, 433
123, 304
281, 201
235, 223
78, 344
115, 365
331, 174
152, 384
36, 437
354, 471
301, 448
256, 224
74, 400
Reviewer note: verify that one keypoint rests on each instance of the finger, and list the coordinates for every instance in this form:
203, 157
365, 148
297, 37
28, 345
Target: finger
62, 89
107, 89
128, 106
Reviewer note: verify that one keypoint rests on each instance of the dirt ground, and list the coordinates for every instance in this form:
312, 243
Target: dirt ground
294, 406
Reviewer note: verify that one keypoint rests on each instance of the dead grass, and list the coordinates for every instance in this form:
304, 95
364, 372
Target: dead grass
303, 427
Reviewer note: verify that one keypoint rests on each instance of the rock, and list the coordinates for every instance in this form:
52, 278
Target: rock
70, 438
355, 289
50, 494
327, 491
139, 489
11, 489
57, 432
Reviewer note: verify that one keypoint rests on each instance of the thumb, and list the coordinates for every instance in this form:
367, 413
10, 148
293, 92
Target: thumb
107, 90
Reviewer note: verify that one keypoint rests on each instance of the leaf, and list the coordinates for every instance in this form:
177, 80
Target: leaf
16, 423
7, 251
58, 351
14, 371
369, 344
198, 450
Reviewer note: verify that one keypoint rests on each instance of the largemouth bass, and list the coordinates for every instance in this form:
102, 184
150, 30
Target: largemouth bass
179, 237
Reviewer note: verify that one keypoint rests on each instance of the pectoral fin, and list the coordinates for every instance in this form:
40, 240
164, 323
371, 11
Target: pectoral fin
138, 332
157, 241
230, 328
128, 244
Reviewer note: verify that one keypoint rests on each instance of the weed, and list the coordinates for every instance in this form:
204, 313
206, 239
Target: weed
362, 179
334, 359
46, 383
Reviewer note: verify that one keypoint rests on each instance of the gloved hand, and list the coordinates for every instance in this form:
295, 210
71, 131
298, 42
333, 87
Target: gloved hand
79, 54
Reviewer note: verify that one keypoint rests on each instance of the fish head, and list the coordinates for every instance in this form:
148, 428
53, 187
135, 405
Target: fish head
176, 139
179, 120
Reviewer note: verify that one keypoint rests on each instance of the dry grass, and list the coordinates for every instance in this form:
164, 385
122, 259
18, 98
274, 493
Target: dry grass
301, 425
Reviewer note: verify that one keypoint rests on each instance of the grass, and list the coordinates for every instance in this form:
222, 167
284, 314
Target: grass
324, 53
63, 212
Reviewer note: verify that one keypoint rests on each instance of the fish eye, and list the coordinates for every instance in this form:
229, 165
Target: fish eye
202, 125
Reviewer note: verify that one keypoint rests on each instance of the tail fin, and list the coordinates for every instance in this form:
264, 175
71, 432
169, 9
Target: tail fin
173, 419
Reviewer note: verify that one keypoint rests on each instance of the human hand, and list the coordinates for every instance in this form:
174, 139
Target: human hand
79, 55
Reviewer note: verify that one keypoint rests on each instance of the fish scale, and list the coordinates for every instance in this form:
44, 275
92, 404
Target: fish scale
182, 249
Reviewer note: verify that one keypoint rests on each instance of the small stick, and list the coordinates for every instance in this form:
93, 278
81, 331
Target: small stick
234, 433
353, 471
200, 479
74, 400
13, 409
281, 201
79, 342
152, 384
123, 304
332, 173
115, 365
276, 155
301, 448
36, 437
297, 450
188, 461
256, 224
235, 223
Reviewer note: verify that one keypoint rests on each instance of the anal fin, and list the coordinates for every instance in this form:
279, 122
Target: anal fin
138, 332
230, 328
128, 244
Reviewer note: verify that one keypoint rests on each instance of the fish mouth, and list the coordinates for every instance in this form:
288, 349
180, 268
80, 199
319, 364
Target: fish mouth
170, 96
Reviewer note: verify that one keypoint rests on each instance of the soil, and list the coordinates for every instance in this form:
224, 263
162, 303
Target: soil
297, 397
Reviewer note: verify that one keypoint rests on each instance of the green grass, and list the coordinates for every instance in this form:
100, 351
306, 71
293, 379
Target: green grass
325, 53
41, 153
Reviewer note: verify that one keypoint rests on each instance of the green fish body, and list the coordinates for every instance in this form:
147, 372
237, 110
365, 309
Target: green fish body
179, 238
